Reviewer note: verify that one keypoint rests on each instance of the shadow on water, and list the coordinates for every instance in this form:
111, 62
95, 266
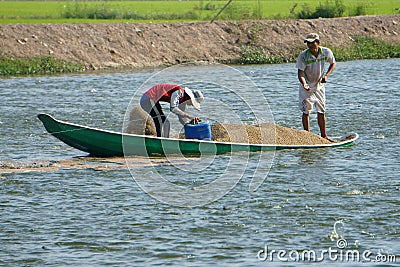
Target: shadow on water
314, 156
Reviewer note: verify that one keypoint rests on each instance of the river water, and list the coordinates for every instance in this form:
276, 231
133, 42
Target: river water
87, 216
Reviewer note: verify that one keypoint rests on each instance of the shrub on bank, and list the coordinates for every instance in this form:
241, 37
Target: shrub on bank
329, 9
254, 55
10, 66
365, 47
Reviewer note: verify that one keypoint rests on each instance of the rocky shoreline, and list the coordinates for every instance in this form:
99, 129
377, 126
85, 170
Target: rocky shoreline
137, 45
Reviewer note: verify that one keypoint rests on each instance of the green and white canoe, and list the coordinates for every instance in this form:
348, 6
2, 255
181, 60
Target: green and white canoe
103, 143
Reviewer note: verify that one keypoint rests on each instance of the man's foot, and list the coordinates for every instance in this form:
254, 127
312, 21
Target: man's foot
330, 140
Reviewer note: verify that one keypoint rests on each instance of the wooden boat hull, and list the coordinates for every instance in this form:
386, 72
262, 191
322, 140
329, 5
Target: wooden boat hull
105, 143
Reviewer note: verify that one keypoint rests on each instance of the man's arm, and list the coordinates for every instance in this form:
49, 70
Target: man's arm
179, 109
302, 79
330, 69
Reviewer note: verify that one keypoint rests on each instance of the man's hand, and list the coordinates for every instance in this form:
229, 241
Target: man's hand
324, 79
195, 120
306, 87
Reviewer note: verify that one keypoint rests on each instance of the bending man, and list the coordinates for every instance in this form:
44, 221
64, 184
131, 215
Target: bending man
178, 98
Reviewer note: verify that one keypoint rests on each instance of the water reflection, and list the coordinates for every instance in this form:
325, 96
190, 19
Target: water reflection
312, 156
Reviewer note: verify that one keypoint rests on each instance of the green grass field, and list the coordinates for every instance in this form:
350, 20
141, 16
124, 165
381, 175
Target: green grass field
145, 11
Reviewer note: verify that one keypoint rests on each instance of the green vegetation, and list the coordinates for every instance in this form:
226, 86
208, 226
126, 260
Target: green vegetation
367, 48
149, 10
327, 9
253, 55
362, 48
10, 66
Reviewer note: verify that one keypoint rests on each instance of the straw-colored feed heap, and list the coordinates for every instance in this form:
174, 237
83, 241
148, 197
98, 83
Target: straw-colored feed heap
267, 133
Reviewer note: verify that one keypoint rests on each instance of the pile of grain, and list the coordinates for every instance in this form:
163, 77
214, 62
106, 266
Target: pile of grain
140, 123
243, 133
288, 136
267, 133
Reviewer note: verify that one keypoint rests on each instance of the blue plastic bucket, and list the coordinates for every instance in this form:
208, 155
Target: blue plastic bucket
201, 131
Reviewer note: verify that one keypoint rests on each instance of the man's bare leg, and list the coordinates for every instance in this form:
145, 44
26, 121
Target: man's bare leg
306, 122
322, 125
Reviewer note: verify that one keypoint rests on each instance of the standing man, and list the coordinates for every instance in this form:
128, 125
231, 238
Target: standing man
311, 74
177, 96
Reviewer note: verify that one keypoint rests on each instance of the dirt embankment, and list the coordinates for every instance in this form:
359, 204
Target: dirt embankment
154, 44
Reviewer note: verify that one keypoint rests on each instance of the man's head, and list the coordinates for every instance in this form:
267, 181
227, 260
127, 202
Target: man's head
196, 97
312, 41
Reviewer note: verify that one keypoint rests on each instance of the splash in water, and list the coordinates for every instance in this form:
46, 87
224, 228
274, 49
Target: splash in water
338, 231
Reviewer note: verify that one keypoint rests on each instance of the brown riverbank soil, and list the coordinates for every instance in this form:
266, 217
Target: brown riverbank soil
103, 45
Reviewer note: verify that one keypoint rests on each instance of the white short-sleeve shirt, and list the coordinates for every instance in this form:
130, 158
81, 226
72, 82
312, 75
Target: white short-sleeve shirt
314, 67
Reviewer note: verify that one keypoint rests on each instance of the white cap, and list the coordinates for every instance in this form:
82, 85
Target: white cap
311, 37
196, 97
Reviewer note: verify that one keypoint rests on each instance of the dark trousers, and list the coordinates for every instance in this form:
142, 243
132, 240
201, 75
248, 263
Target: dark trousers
160, 120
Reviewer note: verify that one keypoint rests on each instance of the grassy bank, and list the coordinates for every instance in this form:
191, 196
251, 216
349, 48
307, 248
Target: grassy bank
367, 48
148, 10
362, 48
11, 66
